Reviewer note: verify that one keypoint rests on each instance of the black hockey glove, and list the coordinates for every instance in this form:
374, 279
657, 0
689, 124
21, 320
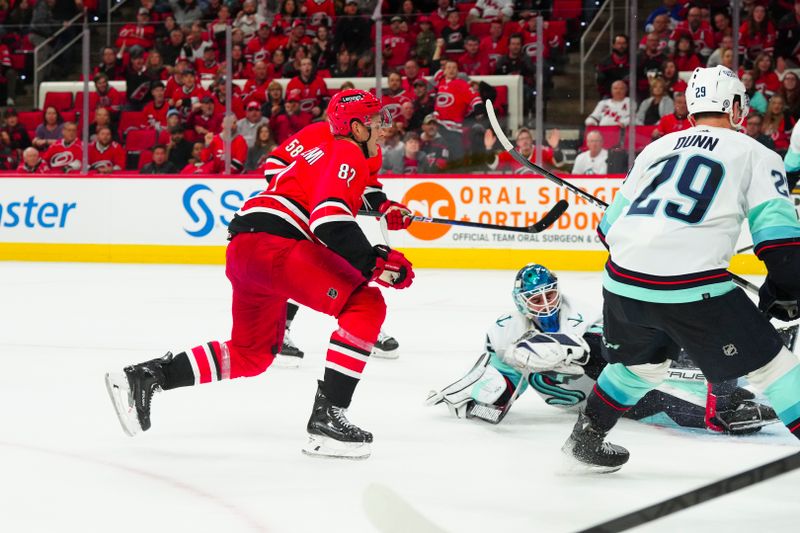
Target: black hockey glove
776, 305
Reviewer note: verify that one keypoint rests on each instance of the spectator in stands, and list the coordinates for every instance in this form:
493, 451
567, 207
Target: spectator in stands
208, 67
494, 45
32, 162
66, 154
764, 77
395, 44
142, 33
187, 97
344, 67
778, 123
106, 155
172, 48
657, 105
552, 157
757, 35
392, 148
433, 146
671, 76
17, 134
196, 159
455, 101
292, 67
677, 121
21, 14
185, 11
218, 92
195, 47
595, 159
406, 116
8, 76
110, 65
790, 90
297, 37
614, 111
107, 96
722, 28
716, 57
220, 20
322, 52
395, 95
155, 68
179, 149
291, 120
273, 105
155, 111
49, 131
352, 31
262, 145
614, 67
137, 81
425, 44
671, 8
311, 88
409, 160
255, 87
439, 16
489, 10
102, 119
649, 63
423, 105
787, 44
213, 155
159, 164
753, 129
699, 31
685, 58
411, 73
473, 61
8, 156
251, 123
283, 20
240, 68
205, 119
516, 62
260, 47
663, 32
454, 34
757, 100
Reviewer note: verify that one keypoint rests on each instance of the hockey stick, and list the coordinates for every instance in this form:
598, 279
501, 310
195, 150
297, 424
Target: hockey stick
545, 222
524, 161
699, 495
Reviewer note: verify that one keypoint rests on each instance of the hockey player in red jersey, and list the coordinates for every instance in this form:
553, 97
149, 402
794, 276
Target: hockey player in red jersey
298, 239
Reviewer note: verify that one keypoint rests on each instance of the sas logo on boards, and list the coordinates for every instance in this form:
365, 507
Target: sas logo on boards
207, 208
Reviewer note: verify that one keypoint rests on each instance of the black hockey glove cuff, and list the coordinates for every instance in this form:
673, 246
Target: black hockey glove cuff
775, 304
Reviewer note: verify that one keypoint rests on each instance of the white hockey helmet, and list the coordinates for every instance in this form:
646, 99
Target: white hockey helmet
713, 90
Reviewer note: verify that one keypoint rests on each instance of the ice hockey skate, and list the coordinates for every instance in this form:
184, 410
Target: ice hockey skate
331, 434
386, 347
290, 355
132, 391
586, 450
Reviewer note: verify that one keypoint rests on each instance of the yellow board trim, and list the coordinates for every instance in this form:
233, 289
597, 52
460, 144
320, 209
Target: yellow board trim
473, 258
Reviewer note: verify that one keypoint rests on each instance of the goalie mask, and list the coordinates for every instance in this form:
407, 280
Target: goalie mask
537, 296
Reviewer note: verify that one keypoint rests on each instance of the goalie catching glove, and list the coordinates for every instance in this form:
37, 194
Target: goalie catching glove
548, 352
392, 269
397, 215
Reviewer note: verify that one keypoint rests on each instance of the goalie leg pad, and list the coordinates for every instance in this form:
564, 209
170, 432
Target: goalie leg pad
490, 387
458, 394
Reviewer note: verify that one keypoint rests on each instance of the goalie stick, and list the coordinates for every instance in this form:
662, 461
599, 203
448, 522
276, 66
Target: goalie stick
545, 222
525, 162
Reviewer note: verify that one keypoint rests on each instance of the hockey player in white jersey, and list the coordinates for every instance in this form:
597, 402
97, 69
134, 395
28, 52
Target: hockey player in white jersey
792, 159
567, 340
671, 232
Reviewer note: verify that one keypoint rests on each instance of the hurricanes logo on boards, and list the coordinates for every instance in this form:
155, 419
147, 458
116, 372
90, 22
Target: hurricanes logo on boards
431, 200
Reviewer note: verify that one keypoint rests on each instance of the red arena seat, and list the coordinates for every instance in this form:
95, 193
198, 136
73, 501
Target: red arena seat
60, 100
139, 140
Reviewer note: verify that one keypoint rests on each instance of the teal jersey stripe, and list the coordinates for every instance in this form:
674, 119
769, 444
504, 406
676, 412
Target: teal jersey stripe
613, 212
784, 395
773, 219
677, 296
625, 387
792, 161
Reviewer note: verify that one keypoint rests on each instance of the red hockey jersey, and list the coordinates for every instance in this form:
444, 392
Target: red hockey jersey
311, 92
102, 158
62, 158
455, 99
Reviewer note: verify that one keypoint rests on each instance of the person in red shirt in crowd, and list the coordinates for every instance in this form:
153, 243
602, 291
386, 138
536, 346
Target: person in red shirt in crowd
218, 92
473, 62
552, 157
255, 88
439, 17
661, 27
260, 47
778, 123
240, 67
176, 80
110, 65
205, 119
187, 97
105, 155
297, 37
686, 60
396, 44
155, 111
208, 67
722, 28
677, 121
757, 34
395, 95
327, 7
455, 100
454, 34
291, 120
530, 40
140, 34
698, 30
494, 45
66, 154
412, 73
310, 87
32, 162
107, 96
213, 155
764, 77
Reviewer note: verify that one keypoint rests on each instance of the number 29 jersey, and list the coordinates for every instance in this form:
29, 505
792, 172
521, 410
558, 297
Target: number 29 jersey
672, 228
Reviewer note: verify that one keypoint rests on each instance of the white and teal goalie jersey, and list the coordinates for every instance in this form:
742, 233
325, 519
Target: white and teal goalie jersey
672, 228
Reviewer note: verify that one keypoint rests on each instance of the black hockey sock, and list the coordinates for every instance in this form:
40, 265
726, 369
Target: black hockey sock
345, 361
291, 311
202, 364
603, 410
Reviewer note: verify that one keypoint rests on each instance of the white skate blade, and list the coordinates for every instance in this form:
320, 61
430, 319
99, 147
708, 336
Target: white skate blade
572, 465
287, 361
319, 446
381, 354
119, 392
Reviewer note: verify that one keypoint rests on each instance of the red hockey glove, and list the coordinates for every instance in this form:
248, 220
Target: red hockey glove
392, 269
397, 215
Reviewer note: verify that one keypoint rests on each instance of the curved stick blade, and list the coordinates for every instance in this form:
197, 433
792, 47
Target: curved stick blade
498, 131
550, 217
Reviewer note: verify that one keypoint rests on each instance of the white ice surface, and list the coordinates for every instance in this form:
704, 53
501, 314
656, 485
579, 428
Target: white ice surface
226, 457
